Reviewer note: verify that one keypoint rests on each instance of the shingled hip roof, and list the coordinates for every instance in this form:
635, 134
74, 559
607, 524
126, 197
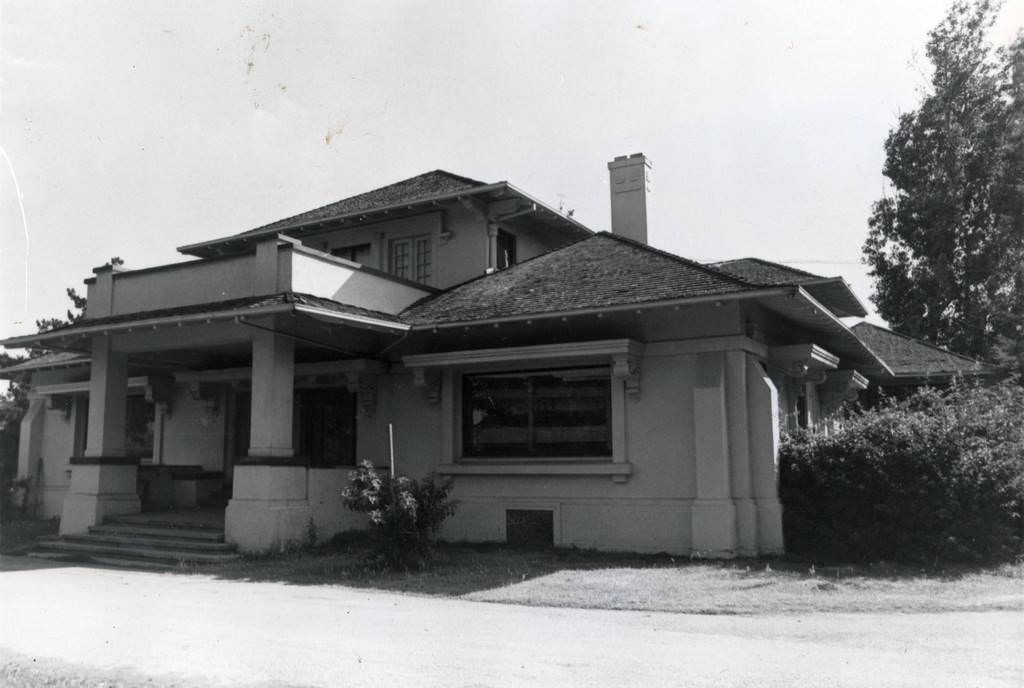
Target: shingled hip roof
415, 194
601, 271
833, 292
913, 358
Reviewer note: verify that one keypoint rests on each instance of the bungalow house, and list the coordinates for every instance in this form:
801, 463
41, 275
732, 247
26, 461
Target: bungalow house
581, 388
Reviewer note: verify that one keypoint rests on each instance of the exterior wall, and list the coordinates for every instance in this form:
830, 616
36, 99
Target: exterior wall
197, 281
650, 512
653, 510
320, 276
194, 432
461, 257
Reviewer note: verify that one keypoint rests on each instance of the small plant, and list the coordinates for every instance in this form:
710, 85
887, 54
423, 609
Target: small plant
15, 497
405, 513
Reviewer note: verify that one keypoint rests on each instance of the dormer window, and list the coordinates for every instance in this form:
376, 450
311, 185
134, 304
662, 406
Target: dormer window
506, 250
412, 258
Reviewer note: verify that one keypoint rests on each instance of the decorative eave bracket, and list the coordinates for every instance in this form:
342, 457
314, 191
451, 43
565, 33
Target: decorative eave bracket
206, 392
626, 367
809, 362
840, 386
429, 381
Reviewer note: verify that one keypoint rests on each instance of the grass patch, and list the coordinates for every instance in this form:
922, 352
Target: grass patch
18, 533
585, 579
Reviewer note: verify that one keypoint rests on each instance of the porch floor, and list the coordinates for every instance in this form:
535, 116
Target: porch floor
203, 517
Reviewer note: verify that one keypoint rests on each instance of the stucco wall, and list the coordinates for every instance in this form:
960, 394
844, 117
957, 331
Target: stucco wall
194, 432
198, 281
456, 259
323, 277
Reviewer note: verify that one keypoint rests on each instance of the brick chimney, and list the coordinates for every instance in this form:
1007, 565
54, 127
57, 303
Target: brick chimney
629, 177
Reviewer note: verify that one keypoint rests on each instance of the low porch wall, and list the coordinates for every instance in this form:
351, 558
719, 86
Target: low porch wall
273, 506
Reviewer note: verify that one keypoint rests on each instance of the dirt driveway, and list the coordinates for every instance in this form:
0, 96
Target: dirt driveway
133, 627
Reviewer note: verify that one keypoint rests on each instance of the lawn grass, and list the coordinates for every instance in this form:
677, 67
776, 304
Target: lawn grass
582, 579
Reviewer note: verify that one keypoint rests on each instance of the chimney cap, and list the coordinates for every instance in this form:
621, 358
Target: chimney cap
631, 159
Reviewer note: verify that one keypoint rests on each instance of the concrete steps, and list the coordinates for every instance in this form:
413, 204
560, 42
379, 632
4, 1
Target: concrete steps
133, 544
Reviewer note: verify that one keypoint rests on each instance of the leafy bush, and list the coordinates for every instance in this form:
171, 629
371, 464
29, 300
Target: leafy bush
936, 476
406, 514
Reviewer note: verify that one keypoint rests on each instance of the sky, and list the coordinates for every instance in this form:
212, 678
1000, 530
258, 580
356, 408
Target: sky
132, 128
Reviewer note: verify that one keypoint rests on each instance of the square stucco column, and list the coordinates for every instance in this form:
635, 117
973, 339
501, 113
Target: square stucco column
103, 481
739, 452
713, 514
269, 506
763, 415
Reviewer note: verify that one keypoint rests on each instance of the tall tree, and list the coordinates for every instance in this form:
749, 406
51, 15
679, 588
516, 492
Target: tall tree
15, 400
946, 243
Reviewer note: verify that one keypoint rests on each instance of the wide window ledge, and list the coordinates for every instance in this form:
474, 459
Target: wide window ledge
618, 470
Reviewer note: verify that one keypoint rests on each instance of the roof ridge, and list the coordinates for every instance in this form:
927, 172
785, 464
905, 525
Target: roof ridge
924, 342
765, 261
287, 219
685, 261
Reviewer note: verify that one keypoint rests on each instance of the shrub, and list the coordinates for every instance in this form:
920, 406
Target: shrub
405, 513
936, 476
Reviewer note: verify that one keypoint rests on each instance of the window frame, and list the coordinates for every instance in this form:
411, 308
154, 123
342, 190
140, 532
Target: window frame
460, 411
510, 239
412, 244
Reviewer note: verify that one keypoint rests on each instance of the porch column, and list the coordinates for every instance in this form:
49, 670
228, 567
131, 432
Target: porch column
273, 393
103, 481
713, 514
739, 452
269, 506
763, 414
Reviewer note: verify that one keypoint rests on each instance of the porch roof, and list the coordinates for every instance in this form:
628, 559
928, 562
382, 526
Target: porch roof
833, 292
913, 359
251, 306
47, 361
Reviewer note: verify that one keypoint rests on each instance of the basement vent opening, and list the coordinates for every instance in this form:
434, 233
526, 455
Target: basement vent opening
530, 527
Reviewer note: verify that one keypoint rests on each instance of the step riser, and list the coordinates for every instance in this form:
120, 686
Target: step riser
151, 542
136, 552
153, 531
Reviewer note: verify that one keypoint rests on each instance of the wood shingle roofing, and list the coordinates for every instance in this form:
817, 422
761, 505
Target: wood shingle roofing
760, 271
912, 358
416, 188
832, 292
600, 271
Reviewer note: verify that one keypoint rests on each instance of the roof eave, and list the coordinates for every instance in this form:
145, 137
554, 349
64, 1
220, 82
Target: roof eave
824, 312
200, 248
643, 305
860, 308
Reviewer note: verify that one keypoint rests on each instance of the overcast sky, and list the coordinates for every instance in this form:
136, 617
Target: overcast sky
137, 127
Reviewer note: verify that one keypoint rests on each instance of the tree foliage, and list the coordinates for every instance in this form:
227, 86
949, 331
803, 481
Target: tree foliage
14, 403
946, 244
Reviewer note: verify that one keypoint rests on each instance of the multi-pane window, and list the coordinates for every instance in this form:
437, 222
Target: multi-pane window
412, 258
549, 413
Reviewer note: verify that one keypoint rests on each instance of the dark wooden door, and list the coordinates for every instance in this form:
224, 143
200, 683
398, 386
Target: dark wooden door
326, 425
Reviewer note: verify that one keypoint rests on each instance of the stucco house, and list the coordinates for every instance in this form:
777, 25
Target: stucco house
583, 386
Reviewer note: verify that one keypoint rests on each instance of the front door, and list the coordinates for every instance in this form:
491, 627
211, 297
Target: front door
325, 426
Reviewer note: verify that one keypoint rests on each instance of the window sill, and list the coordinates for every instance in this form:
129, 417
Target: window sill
619, 470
